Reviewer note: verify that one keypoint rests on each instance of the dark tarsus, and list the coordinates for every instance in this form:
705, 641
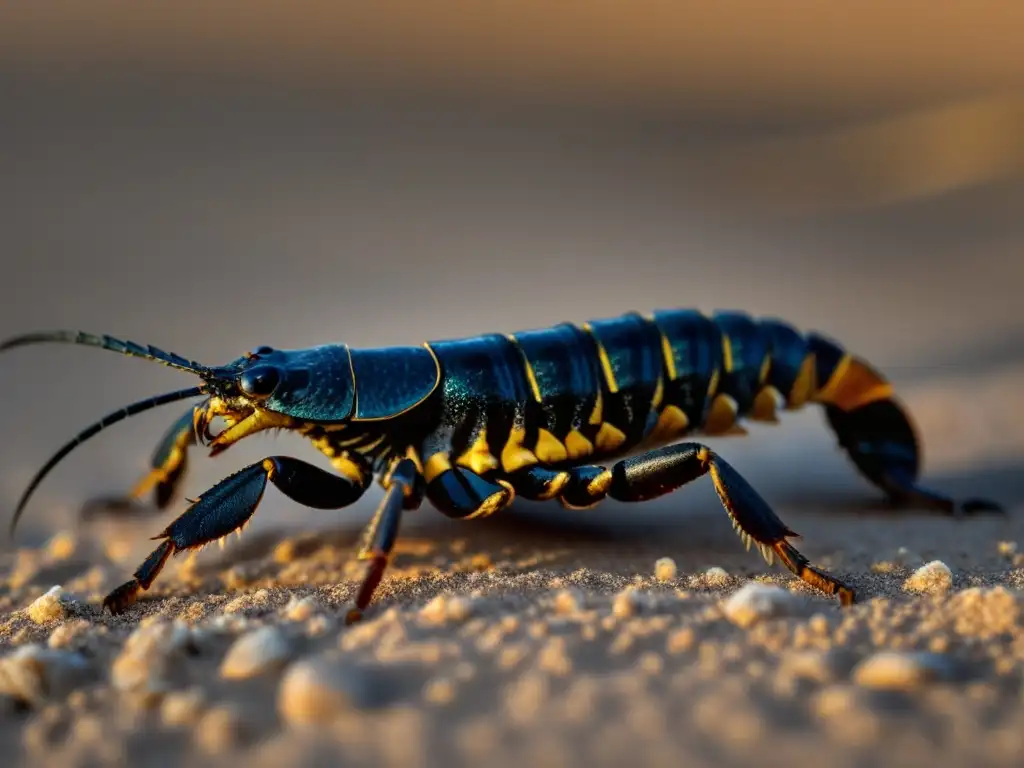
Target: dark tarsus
469, 424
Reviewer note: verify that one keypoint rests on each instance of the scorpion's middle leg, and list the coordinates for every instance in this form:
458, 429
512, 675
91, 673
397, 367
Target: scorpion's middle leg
663, 470
378, 541
230, 504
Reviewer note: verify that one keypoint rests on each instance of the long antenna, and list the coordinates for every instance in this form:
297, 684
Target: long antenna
129, 348
85, 434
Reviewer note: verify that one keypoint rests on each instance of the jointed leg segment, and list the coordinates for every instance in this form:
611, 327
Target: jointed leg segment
230, 504
379, 537
663, 470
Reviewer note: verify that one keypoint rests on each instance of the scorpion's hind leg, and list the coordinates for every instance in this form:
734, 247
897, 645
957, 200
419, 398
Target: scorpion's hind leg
663, 470
167, 469
230, 504
877, 432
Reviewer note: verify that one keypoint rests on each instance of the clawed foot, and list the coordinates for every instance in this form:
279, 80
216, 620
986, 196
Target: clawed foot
122, 598
977, 506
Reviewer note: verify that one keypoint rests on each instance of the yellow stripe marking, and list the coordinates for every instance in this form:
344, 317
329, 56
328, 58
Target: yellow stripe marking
556, 485
853, 384
412, 453
597, 415
765, 404
828, 391
577, 446
659, 393
599, 485
721, 416
716, 377
766, 366
670, 360
494, 502
478, 456
549, 449
606, 363
344, 466
531, 377
372, 445
609, 437
436, 465
727, 361
671, 423
805, 384
514, 456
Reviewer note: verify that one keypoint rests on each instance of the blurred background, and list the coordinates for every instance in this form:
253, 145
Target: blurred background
212, 177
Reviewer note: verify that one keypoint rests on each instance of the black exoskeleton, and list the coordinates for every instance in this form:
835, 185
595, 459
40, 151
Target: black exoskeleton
470, 424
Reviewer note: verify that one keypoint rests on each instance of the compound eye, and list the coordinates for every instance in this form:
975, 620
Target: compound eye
260, 381
261, 351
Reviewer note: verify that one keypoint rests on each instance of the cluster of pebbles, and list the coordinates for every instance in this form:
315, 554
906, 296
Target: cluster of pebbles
512, 662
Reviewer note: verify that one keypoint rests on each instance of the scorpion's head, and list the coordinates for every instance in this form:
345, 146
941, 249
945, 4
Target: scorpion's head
270, 388
264, 389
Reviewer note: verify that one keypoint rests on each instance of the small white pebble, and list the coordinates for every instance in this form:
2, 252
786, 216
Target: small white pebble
227, 624
626, 603
818, 666
892, 670
716, 577
317, 625
459, 608
262, 650
34, 674
65, 634
316, 690
755, 601
1007, 548
665, 569
568, 601
301, 609
445, 608
48, 607
932, 578
182, 708
219, 729
144, 664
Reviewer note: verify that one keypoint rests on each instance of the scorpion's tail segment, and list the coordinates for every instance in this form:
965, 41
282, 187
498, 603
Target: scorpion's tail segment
876, 430
129, 348
81, 437
169, 462
882, 444
229, 506
663, 470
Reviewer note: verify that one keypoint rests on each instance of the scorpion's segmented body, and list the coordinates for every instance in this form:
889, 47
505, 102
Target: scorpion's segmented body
470, 424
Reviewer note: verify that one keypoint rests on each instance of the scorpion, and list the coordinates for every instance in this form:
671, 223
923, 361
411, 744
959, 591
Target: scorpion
470, 424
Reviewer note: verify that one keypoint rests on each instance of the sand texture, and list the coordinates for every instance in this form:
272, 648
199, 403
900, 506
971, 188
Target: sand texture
540, 637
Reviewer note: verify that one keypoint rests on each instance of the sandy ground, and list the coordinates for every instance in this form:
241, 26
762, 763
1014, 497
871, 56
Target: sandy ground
541, 637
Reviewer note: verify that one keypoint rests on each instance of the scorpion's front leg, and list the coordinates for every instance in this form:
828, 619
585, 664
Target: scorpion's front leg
228, 506
170, 460
167, 469
662, 471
